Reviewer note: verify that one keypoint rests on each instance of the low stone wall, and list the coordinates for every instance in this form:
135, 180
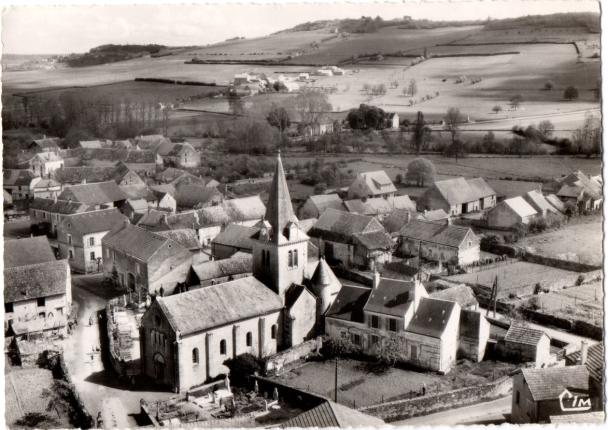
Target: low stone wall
276, 362
403, 409
581, 328
560, 264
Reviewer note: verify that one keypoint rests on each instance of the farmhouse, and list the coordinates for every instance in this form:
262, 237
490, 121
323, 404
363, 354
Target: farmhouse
45, 188
458, 196
79, 238
145, 263
185, 338
540, 203
578, 189
396, 220
473, 335
18, 182
524, 345
150, 142
46, 144
43, 164
377, 207
441, 242
372, 184
437, 215
556, 203
190, 196
47, 214
314, 206
180, 154
351, 239
511, 212
99, 195
539, 394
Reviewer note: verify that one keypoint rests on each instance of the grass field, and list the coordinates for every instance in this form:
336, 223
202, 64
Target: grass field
519, 278
580, 240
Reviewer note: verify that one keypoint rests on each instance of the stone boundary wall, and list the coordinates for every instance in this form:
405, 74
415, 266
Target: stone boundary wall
409, 408
275, 363
573, 266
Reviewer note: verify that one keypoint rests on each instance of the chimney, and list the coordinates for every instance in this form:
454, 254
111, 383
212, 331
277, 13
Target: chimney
376, 281
584, 351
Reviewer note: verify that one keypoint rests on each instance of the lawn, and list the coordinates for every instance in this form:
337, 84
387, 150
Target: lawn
361, 383
519, 278
580, 240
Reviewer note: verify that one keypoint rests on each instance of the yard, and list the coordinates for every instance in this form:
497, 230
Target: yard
519, 278
580, 240
361, 383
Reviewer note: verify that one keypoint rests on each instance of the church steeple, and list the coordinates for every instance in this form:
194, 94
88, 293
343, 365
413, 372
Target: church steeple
279, 211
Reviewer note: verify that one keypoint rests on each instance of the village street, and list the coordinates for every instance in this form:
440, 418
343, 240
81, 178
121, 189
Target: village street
94, 382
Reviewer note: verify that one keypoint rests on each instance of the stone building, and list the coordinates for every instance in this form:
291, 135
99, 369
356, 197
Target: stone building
458, 196
372, 184
511, 212
526, 345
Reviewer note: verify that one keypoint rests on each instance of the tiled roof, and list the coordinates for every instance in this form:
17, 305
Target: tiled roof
324, 201
538, 202
138, 205
330, 414
431, 317
434, 215
178, 149
507, 189
396, 220
238, 264
343, 225
245, 208
92, 144
349, 303
17, 177
524, 335
469, 323
370, 206
191, 195
306, 224
461, 294
235, 235
595, 360
93, 222
75, 175
186, 237
214, 215
137, 242
520, 206
45, 184
579, 180
404, 202
93, 194
391, 297
31, 250
137, 192
435, 232
36, 280
374, 240
556, 202
63, 207
570, 191
220, 304
548, 383
47, 142
460, 190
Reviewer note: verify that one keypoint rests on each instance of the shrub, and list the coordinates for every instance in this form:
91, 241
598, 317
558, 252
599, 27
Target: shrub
571, 93
339, 347
242, 367
548, 86
579, 280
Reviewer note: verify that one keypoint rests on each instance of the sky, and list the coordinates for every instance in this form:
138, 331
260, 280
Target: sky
67, 29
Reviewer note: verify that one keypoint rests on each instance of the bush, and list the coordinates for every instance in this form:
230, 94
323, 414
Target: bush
333, 348
490, 241
571, 93
548, 86
579, 280
242, 367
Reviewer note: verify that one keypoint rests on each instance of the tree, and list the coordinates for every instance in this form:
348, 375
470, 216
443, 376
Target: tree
546, 128
571, 93
516, 101
412, 88
548, 86
320, 188
366, 117
250, 136
452, 120
37, 420
456, 149
391, 350
420, 171
420, 133
242, 367
587, 138
309, 106
279, 118
496, 109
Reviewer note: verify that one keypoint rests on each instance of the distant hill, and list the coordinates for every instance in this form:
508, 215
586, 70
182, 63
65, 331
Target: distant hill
588, 20
110, 54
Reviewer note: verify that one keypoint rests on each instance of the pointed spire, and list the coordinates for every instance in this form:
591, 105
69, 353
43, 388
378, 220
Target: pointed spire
279, 211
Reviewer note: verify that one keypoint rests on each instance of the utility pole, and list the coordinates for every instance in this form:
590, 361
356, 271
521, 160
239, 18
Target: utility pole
336, 383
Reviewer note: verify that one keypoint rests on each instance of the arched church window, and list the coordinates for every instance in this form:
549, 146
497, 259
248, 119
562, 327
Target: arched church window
273, 331
222, 347
249, 339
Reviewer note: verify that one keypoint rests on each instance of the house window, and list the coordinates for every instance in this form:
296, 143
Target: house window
92, 256
374, 340
355, 339
8, 307
91, 241
392, 324
138, 268
273, 331
414, 352
195, 356
70, 254
290, 260
222, 347
59, 311
249, 339
517, 397
69, 239
375, 321
41, 301
295, 258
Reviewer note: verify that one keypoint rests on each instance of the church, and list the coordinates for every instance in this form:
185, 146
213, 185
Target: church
186, 338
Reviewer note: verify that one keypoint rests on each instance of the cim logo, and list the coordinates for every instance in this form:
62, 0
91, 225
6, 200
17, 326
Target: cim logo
569, 402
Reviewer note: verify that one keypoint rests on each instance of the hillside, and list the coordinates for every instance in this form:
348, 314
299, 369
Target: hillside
110, 54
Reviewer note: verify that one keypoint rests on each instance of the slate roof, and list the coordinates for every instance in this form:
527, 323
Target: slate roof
470, 323
374, 240
556, 202
17, 177
186, 237
324, 201
391, 297
237, 236
35, 280
431, 317
330, 414
595, 360
246, 208
93, 194
220, 304
93, 222
573, 191
548, 383
461, 294
279, 211
191, 195
137, 242
435, 232
341, 225
31, 250
460, 190
238, 264
63, 207
349, 303
524, 335
520, 206
538, 202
